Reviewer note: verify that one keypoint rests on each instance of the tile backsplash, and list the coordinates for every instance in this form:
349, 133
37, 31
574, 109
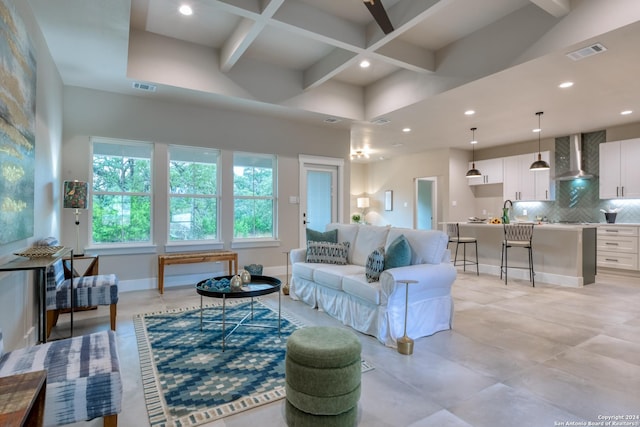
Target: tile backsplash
579, 200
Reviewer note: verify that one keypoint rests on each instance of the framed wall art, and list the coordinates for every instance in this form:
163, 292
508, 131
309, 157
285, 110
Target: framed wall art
17, 127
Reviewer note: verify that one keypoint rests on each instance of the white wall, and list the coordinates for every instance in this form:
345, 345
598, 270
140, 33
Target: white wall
93, 113
399, 175
18, 313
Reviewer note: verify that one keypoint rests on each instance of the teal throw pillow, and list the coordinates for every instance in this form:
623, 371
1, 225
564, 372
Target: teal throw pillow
374, 265
398, 254
330, 236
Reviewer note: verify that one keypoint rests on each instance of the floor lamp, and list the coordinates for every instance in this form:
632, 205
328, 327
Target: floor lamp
75, 197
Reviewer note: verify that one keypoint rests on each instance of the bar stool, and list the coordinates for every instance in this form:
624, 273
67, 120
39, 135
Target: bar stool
453, 230
517, 236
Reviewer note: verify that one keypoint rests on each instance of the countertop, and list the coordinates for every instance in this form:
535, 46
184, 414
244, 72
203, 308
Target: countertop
550, 225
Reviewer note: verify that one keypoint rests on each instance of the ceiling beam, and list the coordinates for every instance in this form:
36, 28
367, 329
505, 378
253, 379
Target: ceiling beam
327, 67
245, 34
557, 8
406, 55
238, 43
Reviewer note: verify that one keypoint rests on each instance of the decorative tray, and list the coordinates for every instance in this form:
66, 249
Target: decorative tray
40, 251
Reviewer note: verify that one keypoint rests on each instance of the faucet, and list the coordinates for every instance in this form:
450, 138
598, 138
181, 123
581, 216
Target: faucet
505, 211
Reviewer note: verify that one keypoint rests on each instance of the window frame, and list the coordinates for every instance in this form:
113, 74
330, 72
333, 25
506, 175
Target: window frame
112, 247
246, 242
217, 195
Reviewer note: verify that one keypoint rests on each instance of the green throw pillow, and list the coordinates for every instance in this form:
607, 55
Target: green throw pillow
330, 236
398, 254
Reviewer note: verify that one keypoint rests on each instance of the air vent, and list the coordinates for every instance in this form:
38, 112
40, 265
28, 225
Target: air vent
381, 121
579, 54
331, 120
144, 86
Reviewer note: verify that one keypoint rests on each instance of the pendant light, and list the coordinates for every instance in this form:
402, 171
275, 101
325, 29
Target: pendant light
473, 172
539, 165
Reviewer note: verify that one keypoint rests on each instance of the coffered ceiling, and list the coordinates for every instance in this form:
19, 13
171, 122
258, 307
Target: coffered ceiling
299, 59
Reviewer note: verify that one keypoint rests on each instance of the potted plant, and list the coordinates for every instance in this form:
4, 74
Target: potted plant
356, 218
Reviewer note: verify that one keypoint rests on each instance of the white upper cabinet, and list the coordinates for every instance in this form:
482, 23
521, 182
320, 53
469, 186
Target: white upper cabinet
491, 171
619, 171
544, 186
522, 184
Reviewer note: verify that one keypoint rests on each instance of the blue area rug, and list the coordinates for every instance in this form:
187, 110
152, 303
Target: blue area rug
188, 380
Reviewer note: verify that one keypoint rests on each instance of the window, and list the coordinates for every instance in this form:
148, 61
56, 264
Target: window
193, 193
254, 207
121, 198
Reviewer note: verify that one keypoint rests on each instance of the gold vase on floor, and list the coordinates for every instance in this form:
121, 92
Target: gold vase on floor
285, 287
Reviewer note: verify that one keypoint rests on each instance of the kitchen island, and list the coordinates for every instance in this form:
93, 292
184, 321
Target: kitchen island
563, 254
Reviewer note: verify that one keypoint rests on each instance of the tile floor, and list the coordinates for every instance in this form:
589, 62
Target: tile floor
516, 356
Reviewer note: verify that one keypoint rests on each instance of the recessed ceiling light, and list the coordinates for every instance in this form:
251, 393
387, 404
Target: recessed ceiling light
469, 113
406, 130
185, 9
364, 63
626, 112
565, 85
537, 130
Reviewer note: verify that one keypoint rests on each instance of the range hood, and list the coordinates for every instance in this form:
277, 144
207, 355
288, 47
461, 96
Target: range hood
575, 161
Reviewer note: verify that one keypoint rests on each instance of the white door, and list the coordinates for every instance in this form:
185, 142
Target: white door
321, 206
426, 196
320, 193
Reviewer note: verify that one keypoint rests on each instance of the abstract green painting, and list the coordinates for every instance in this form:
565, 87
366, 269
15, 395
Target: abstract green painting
17, 127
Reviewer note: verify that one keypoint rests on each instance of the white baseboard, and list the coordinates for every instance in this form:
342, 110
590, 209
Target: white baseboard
150, 283
541, 277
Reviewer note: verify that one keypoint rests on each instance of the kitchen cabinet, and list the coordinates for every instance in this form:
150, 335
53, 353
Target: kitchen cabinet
618, 247
491, 171
619, 172
522, 184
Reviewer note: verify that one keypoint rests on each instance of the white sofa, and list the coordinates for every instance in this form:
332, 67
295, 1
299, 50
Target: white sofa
378, 308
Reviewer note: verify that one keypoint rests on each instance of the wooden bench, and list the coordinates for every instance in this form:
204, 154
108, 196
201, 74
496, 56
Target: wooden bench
196, 257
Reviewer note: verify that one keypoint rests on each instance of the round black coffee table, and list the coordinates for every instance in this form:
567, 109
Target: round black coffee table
259, 285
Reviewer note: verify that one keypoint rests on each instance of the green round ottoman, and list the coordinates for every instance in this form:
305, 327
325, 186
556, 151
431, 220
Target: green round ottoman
322, 371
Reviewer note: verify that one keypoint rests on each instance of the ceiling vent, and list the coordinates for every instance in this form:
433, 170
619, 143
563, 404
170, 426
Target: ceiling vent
579, 54
144, 86
331, 120
381, 121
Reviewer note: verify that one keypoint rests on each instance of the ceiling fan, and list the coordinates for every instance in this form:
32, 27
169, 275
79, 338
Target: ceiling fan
379, 14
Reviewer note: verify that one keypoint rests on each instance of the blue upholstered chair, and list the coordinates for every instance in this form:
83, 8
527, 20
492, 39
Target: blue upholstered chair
83, 376
88, 291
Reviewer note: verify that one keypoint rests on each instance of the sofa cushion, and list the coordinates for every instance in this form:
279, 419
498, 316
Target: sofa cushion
346, 233
427, 246
368, 238
327, 253
304, 270
398, 253
319, 236
374, 265
330, 276
358, 286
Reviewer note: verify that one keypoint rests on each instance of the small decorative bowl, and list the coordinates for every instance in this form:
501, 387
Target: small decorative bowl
254, 269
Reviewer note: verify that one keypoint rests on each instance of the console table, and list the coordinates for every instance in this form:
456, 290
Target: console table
195, 257
22, 399
39, 266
